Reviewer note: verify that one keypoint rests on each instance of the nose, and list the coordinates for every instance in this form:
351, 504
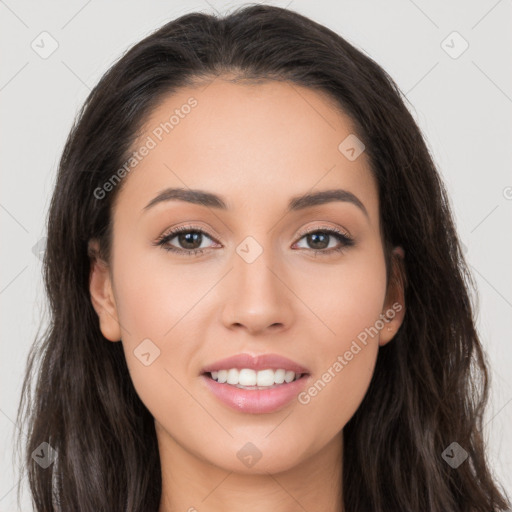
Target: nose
257, 296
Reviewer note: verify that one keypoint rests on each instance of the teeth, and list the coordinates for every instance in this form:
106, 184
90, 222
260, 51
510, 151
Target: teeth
248, 377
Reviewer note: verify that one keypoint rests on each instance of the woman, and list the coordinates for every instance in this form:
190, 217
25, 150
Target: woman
317, 352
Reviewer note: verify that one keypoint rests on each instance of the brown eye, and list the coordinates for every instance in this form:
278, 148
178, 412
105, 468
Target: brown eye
319, 241
189, 240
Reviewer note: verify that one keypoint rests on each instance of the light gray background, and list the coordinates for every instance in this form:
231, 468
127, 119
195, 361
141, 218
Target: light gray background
463, 105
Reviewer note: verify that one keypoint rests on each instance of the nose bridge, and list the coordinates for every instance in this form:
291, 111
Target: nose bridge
257, 296
253, 262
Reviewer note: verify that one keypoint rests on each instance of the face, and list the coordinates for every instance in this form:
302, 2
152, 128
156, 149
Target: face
307, 283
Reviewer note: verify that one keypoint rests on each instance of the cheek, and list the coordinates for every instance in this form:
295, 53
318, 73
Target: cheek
334, 395
155, 309
348, 302
346, 297
153, 295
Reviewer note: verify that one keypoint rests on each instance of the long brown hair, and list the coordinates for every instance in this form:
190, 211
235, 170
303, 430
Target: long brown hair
430, 384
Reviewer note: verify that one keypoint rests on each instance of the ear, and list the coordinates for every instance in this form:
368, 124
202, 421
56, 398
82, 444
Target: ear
102, 296
394, 304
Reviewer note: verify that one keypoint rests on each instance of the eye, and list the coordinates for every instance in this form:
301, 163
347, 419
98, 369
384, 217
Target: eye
190, 237
320, 239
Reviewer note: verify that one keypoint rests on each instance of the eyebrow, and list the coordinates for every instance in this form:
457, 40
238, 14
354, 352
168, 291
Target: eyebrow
296, 203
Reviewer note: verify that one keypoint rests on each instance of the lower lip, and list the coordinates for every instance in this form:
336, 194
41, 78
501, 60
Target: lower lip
256, 401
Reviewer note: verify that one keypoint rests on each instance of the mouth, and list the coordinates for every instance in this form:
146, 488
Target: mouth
252, 398
249, 379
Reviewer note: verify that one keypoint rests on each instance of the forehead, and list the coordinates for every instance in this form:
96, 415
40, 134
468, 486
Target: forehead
250, 143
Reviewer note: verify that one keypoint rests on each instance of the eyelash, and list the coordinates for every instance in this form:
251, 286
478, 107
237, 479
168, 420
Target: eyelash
163, 240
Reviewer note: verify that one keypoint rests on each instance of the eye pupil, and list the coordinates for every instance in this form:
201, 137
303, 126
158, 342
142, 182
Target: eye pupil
190, 237
314, 238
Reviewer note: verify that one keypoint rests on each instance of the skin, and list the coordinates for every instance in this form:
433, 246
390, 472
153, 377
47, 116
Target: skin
257, 146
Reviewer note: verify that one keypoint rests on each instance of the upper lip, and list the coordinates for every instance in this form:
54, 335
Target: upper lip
256, 362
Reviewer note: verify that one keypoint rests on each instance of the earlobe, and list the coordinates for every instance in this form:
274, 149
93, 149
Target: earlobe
102, 296
394, 307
